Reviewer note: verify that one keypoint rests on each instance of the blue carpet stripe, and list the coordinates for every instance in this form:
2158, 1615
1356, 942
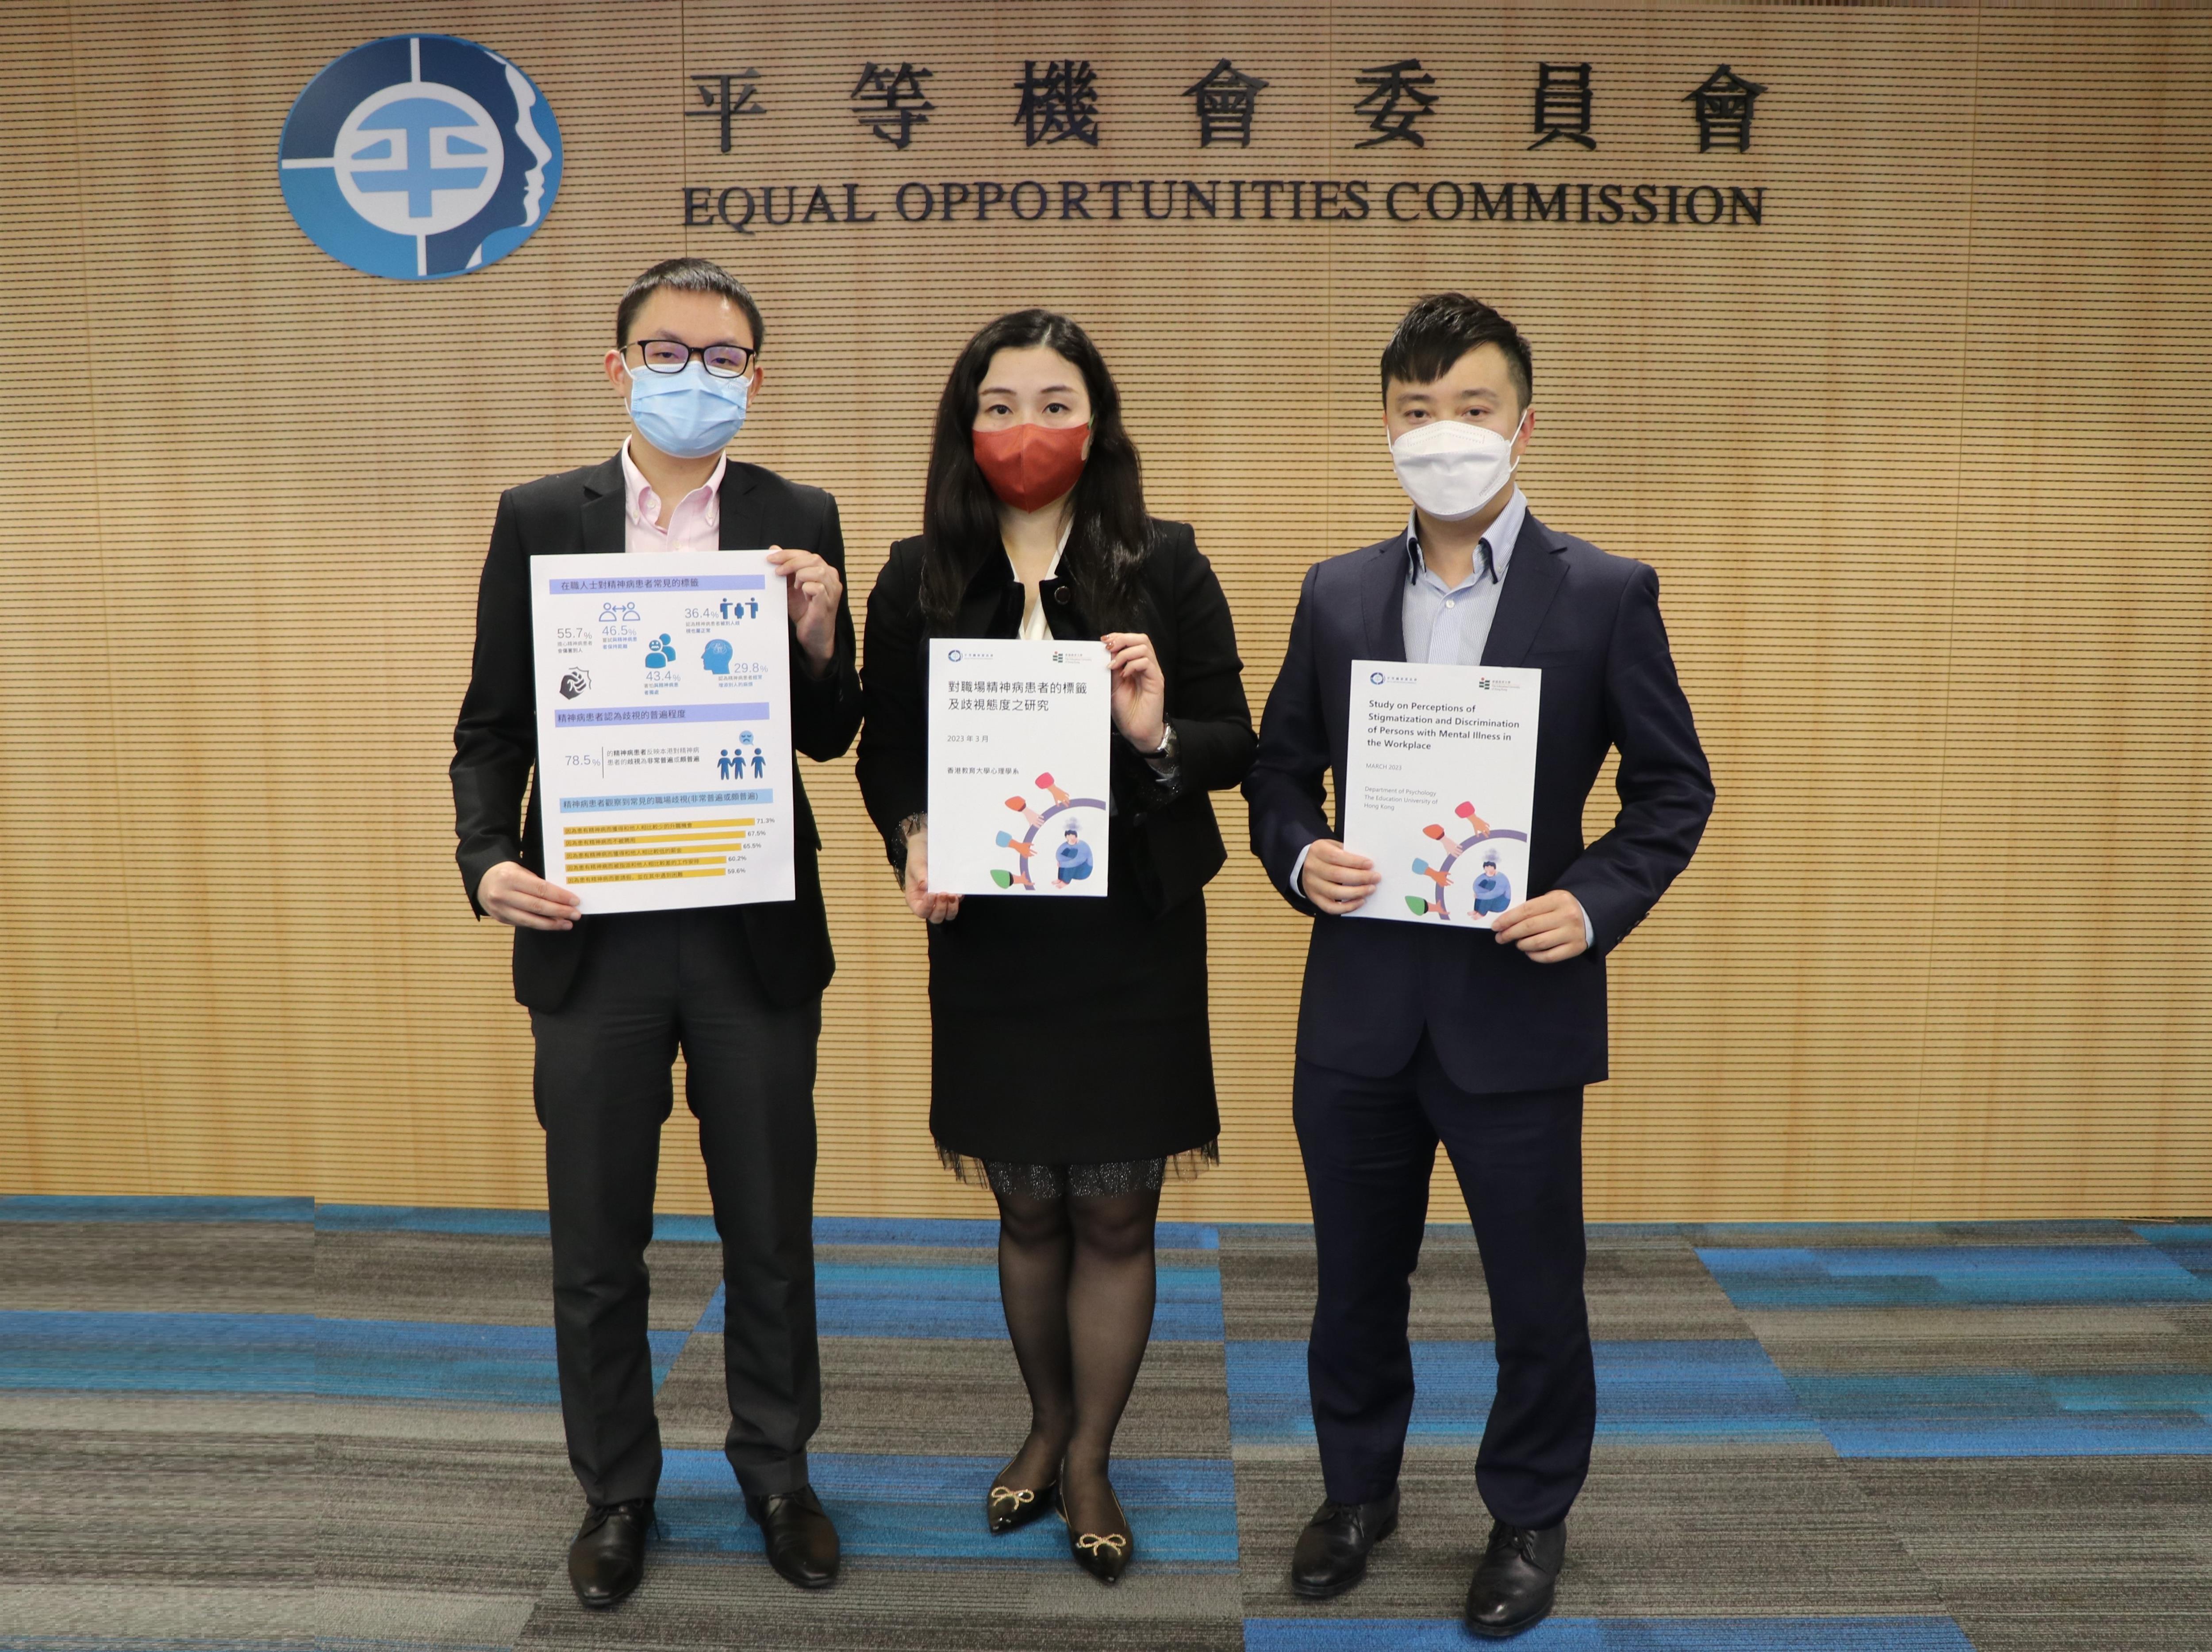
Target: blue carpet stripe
931, 1509
1648, 1392
1964, 1276
2010, 1413
41, 1207
1615, 1634
2093, 1230
2189, 1243
960, 1302
290, 1354
158, 1353
452, 1364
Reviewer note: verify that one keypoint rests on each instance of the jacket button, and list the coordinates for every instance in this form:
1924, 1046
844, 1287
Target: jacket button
1060, 595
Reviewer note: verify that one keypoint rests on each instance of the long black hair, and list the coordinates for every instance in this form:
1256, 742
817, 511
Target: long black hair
960, 514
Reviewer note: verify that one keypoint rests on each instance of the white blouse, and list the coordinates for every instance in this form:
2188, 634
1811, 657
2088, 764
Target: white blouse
1034, 628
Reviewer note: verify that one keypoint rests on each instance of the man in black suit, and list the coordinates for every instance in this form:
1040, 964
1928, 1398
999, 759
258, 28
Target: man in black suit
611, 998
1408, 1036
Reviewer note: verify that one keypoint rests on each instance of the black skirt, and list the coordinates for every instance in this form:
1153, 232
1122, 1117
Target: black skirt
1071, 1030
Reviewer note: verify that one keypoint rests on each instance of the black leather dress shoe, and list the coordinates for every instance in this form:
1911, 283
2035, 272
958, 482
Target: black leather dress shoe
1331, 1552
1512, 1587
802, 1543
608, 1556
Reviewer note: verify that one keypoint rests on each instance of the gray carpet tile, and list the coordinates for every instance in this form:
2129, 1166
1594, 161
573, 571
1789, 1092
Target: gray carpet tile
145, 1509
1640, 1285
1658, 1532
183, 1414
2121, 1338
157, 1267
157, 1615
358, 1620
955, 1398
442, 1517
484, 1278
685, 1606
984, 1255
413, 1423
2031, 1555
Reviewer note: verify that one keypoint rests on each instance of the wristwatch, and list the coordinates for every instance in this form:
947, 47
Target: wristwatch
1165, 751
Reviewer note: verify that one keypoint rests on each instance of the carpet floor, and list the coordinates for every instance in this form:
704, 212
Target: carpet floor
242, 1424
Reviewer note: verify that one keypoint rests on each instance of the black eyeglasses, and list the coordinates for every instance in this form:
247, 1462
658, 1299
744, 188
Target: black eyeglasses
673, 355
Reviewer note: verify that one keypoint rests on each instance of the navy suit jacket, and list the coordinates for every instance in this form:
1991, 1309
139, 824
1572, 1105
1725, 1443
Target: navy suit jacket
495, 740
1499, 1021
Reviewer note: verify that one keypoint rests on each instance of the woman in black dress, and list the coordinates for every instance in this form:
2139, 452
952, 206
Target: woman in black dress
1072, 1058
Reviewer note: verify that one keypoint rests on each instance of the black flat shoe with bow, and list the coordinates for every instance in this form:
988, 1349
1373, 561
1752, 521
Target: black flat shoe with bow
1008, 1508
1104, 1555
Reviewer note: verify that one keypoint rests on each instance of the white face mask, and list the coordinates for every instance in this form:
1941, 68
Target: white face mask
1451, 468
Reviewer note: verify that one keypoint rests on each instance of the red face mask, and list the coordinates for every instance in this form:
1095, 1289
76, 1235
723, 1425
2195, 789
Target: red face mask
1029, 466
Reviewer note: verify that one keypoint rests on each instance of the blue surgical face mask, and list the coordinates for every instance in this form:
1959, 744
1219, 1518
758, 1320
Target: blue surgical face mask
687, 414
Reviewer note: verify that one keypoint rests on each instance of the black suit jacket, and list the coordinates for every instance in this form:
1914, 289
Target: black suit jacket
495, 741
1499, 1021
1178, 841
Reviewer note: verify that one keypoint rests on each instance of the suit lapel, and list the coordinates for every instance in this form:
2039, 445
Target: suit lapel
606, 523
1534, 579
738, 531
1382, 601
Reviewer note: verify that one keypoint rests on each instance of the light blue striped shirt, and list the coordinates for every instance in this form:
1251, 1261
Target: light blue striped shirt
1449, 627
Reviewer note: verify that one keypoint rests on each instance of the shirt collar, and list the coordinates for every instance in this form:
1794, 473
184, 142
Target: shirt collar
635, 487
1066, 532
1501, 536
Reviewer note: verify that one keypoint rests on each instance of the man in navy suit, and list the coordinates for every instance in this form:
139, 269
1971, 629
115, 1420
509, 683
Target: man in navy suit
1399, 1044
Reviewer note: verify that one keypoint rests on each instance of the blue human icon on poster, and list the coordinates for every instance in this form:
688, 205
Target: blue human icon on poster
1072, 859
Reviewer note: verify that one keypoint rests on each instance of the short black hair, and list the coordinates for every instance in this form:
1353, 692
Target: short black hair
1443, 327
685, 275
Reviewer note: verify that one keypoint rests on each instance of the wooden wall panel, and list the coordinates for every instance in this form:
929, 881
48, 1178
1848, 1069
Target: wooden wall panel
72, 1080
1918, 458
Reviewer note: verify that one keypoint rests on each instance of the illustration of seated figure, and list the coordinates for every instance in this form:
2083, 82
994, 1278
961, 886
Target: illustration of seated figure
1074, 858
1492, 893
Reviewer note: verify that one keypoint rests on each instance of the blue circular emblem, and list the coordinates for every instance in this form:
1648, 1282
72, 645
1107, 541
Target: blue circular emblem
1375, 677
418, 156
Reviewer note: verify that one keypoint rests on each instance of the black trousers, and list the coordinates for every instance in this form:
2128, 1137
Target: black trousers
1369, 1145
653, 982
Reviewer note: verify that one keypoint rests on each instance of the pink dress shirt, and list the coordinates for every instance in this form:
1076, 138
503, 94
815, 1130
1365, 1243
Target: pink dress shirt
695, 524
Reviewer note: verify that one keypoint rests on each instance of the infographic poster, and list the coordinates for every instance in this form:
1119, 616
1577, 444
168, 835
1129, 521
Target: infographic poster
1019, 767
1439, 787
664, 728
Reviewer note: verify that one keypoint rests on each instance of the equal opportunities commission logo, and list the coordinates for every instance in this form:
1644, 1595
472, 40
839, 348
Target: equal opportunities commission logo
418, 156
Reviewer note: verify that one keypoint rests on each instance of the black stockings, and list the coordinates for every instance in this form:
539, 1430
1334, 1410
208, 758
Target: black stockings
1076, 1276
